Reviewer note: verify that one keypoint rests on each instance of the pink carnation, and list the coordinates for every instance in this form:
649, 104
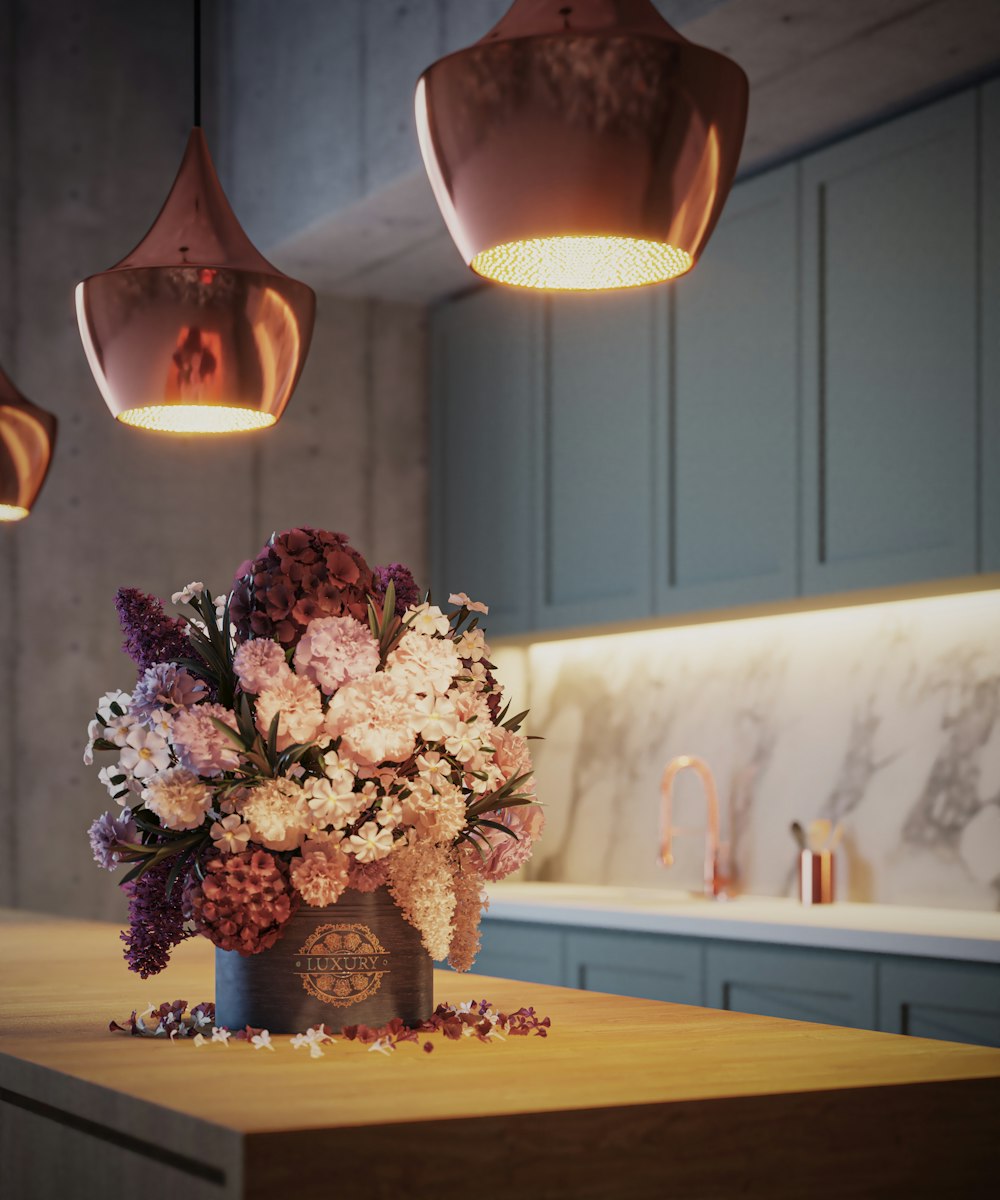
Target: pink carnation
200, 745
260, 664
320, 875
512, 757
374, 717
429, 664
300, 708
336, 650
527, 821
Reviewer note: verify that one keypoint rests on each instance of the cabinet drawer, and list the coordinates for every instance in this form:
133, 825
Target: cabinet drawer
958, 1002
521, 950
649, 966
829, 988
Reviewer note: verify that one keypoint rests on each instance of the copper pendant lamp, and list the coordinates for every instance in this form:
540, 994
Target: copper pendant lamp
581, 146
195, 331
27, 439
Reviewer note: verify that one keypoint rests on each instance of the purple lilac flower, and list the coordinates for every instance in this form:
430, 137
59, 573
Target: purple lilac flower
107, 834
150, 635
407, 592
156, 921
167, 686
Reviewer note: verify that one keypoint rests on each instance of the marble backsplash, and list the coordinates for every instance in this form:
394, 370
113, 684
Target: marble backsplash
885, 717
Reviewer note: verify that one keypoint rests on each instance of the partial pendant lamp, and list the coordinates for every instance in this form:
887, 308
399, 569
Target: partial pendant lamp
581, 146
27, 439
195, 331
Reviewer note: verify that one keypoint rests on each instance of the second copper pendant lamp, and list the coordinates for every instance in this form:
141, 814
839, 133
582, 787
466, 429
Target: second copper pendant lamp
195, 331
27, 441
581, 145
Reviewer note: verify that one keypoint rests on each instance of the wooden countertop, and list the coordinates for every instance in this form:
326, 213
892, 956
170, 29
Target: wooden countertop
684, 1101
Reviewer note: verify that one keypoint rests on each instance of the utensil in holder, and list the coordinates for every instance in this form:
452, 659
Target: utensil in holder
816, 869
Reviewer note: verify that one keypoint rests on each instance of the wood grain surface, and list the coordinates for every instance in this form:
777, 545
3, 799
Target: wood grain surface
625, 1098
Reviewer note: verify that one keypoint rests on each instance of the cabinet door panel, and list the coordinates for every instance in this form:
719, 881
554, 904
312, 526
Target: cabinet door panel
829, 988
595, 461
989, 143
521, 950
957, 1002
649, 966
729, 494
486, 372
889, 350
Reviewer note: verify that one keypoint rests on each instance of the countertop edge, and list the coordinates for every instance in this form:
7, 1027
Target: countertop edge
716, 928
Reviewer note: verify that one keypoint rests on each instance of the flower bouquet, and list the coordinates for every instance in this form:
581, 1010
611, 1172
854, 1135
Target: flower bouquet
317, 773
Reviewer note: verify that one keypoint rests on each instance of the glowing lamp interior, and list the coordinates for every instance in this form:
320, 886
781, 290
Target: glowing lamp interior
12, 512
581, 263
197, 418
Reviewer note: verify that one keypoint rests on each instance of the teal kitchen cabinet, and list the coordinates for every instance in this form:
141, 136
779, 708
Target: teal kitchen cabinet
648, 965
727, 480
956, 1002
595, 461
523, 950
486, 369
989, 341
889, 353
828, 987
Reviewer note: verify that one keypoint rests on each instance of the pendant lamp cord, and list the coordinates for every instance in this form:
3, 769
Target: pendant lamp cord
197, 62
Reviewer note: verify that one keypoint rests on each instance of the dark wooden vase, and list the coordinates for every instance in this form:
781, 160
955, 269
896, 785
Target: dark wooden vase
357, 963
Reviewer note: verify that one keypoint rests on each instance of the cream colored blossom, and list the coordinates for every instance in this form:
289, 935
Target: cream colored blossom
427, 618
429, 664
472, 605
277, 813
438, 813
421, 880
435, 718
472, 645
300, 707
320, 875
465, 743
178, 797
374, 719
433, 766
231, 834
371, 842
333, 802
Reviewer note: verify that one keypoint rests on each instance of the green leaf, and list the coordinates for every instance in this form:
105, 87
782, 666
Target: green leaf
230, 732
514, 724
272, 737
502, 828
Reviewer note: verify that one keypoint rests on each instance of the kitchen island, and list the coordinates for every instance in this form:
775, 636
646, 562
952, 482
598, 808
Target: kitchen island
625, 1098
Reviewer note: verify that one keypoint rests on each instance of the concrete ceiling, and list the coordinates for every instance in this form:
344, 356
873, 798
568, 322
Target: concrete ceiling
817, 68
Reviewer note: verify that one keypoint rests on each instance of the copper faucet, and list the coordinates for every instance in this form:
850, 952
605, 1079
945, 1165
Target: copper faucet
715, 884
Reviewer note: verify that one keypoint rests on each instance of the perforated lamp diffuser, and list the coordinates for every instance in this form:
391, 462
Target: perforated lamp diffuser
195, 331
27, 439
581, 146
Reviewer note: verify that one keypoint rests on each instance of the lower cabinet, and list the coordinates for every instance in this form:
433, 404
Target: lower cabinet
922, 997
649, 966
957, 1002
825, 987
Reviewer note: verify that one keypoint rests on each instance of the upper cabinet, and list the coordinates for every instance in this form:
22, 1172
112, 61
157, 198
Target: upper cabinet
727, 441
596, 461
815, 408
989, 141
487, 377
889, 353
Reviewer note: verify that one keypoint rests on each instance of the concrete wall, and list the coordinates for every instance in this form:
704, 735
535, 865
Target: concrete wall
94, 122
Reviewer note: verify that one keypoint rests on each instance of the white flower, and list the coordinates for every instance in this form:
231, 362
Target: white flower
116, 780
312, 1039
161, 722
198, 1040
117, 730
433, 766
231, 834
427, 618
391, 813
472, 645
333, 802
471, 605
145, 753
187, 593
370, 843
435, 718
464, 744
261, 1041
121, 699
221, 1035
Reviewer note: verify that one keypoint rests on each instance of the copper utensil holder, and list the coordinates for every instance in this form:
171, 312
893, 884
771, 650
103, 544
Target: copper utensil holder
816, 869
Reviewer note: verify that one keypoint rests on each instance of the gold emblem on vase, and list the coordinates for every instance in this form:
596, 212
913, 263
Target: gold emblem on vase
342, 964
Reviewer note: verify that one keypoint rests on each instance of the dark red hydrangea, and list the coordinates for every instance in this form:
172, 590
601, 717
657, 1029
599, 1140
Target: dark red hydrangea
300, 574
407, 592
156, 920
150, 635
243, 902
